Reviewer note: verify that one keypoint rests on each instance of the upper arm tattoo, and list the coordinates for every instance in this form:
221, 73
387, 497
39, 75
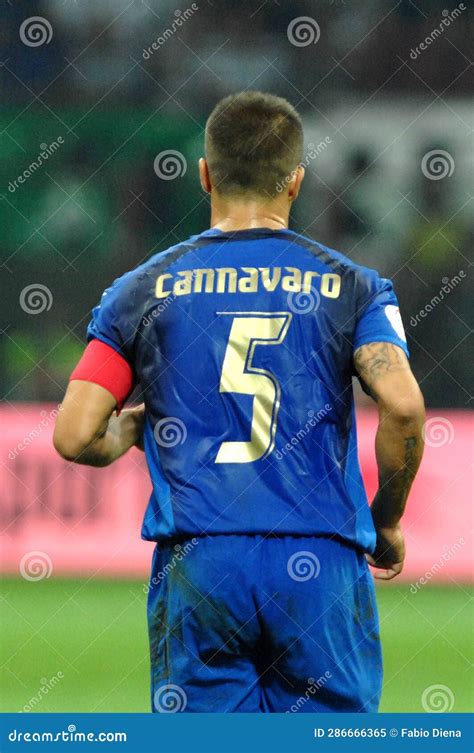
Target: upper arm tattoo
374, 360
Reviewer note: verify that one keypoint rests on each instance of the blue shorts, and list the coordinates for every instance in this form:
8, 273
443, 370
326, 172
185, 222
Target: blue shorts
263, 624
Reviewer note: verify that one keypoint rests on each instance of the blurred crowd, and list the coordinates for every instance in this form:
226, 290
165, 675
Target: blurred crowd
118, 82
221, 44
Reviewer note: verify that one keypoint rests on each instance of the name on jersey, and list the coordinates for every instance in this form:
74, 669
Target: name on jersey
247, 280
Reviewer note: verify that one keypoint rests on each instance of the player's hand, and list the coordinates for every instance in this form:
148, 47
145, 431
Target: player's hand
389, 553
139, 415
133, 422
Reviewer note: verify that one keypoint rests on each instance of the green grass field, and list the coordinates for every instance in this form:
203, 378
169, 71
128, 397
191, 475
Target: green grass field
91, 636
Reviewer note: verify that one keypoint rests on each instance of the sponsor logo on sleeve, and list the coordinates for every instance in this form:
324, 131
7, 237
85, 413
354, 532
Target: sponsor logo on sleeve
393, 315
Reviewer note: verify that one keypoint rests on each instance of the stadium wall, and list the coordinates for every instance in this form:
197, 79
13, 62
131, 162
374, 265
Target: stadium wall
62, 519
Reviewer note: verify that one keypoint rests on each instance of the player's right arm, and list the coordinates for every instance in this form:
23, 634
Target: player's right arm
384, 370
87, 430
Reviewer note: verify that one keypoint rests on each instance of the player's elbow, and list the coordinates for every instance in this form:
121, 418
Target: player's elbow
406, 409
68, 444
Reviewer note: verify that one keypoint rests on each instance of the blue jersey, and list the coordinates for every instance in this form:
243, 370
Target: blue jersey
243, 345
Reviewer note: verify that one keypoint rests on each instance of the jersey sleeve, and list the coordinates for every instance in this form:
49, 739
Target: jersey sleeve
114, 319
379, 318
112, 332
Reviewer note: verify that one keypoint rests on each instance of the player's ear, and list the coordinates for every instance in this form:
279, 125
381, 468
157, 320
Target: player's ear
204, 176
295, 184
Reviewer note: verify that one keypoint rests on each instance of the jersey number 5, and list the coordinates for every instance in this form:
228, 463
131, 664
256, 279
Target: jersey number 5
249, 330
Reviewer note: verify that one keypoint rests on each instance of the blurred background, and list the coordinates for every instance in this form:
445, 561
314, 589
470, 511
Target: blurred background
104, 106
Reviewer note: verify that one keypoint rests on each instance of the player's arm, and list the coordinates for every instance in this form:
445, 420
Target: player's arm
385, 372
87, 430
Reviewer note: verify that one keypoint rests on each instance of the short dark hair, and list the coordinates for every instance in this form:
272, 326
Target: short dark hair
253, 142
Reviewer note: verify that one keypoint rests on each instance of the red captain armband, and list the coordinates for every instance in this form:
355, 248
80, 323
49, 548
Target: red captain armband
102, 365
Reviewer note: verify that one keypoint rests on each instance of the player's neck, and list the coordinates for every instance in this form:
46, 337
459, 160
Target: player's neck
235, 215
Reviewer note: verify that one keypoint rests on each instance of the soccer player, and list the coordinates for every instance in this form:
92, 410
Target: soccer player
244, 340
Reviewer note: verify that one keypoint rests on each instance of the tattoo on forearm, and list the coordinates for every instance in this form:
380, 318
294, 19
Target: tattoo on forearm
411, 463
374, 360
396, 488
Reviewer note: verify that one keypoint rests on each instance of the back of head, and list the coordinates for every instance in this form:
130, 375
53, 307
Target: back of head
254, 141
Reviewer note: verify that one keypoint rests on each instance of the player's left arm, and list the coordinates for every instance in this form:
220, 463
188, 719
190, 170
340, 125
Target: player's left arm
381, 362
88, 431
383, 367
